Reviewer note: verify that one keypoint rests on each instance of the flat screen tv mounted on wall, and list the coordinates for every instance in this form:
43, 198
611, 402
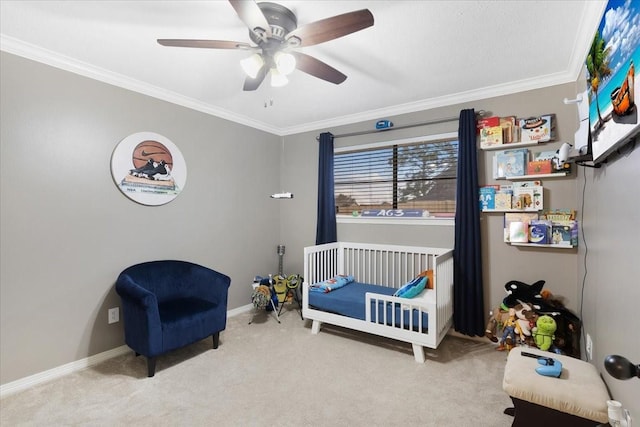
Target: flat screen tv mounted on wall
613, 84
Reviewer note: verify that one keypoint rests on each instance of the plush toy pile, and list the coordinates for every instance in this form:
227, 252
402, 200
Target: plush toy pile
533, 317
261, 296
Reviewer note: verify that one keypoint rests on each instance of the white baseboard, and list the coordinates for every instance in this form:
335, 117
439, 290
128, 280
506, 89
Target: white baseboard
240, 310
51, 374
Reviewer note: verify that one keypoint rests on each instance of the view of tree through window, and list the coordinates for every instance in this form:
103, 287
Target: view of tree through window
419, 175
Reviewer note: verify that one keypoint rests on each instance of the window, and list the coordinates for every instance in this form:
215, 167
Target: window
410, 174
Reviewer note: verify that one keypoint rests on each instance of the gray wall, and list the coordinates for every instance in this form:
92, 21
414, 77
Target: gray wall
610, 267
67, 230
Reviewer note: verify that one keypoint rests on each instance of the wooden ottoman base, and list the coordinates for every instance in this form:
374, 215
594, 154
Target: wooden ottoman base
529, 414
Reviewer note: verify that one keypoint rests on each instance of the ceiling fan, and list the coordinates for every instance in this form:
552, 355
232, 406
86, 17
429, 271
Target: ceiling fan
274, 30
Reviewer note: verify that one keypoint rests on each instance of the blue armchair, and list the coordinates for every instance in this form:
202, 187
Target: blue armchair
170, 304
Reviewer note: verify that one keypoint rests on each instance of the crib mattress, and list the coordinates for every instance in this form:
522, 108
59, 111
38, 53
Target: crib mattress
350, 301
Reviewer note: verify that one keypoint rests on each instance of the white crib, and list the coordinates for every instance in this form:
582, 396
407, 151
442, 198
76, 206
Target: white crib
389, 266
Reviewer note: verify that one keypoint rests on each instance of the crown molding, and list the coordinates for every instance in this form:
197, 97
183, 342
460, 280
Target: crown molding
54, 59
444, 101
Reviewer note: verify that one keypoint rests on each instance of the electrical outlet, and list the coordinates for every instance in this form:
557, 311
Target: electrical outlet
589, 347
114, 315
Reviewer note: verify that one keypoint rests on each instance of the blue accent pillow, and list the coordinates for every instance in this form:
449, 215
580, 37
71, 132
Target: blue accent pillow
413, 288
336, 282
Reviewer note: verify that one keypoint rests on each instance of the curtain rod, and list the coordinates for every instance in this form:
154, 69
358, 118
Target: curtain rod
430, 122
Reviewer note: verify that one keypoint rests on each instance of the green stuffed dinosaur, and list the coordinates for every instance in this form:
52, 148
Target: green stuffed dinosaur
543, 332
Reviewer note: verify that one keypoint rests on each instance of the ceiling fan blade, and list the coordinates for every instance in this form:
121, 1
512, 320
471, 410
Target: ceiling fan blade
317, 68
253, 84
332, 28
208, 44
250, 13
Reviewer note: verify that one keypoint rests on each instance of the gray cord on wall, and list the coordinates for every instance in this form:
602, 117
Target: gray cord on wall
586, 251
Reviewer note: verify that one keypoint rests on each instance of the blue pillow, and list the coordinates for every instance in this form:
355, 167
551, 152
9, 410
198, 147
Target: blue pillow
412, 288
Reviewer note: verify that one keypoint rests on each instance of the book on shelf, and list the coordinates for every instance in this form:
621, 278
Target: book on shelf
552, 157
490, 136
487, 122
528, 198
489, 131
487, 197
518, 217
518, 232
558, 214
564, 233
510, 163
503, 200
509, 129
531, 183
495, 197
537, 129
539, 167
540, 231
494, 131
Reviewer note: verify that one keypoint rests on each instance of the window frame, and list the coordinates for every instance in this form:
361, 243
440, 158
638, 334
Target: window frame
348, 219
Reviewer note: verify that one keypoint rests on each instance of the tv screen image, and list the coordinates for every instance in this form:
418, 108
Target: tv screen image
613, 84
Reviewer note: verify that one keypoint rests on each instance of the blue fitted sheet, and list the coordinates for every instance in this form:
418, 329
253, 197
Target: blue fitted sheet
350, 301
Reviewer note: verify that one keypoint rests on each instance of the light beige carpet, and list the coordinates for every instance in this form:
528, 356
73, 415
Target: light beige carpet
270, 374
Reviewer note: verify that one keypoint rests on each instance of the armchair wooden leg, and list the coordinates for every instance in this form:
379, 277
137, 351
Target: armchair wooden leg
151, 366
216, 340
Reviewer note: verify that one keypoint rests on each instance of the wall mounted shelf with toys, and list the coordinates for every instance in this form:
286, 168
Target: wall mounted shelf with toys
520, 164
525, 196
509, 136
547, 229
500, 133
526, 223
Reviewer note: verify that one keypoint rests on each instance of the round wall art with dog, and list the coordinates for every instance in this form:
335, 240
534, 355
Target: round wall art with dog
148, 168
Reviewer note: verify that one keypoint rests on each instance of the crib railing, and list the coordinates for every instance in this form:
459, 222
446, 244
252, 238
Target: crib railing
386, 265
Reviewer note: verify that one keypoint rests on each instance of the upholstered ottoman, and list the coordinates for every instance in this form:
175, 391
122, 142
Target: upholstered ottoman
577, 398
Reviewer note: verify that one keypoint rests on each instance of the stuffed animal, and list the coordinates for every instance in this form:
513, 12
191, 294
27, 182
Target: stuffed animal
525, 318
261, 296
511, 328
543, 333
521, 292
497, 318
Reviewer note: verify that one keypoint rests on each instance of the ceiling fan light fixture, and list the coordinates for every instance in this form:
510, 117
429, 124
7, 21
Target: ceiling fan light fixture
252, 65
277, 78
285, 62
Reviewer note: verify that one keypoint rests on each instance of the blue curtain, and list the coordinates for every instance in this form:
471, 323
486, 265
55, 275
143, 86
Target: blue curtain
468, 300
326, 227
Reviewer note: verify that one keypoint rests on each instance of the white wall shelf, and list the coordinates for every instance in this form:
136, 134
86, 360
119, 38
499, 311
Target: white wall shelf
539, 176
537, 245
510, 146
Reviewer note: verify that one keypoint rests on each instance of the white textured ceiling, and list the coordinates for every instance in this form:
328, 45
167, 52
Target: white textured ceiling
418, 54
